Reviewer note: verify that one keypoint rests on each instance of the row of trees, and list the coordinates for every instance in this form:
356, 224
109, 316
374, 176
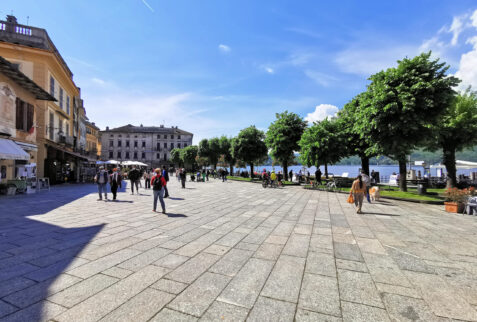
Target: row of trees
413, 105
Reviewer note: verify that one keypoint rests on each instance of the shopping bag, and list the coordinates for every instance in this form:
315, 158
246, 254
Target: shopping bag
350, 199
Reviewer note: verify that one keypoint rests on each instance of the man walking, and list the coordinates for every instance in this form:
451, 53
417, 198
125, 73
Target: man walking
158, 184
182, 176
134, 176
318, 175
165, 174
115, 182
101, 179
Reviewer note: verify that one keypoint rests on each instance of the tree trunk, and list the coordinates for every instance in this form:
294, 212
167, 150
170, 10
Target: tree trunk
449, 162
285, 170
365, 165
402, 174
251, 170
231, 170
326, 170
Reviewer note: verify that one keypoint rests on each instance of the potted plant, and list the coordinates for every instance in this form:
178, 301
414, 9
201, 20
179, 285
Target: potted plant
455, 200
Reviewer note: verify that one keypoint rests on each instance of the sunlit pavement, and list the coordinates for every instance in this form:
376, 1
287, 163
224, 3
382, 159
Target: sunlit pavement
232, 251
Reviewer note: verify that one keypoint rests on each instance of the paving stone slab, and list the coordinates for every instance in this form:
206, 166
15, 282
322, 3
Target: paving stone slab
321, 264
41, 311
171, 261
268, 251
347, 252
359, 288
363, 313
401, 308
351, 265
326, 301
169, 286
310, 316
266, 309
190, 270
220, 311
231, 263
173, 316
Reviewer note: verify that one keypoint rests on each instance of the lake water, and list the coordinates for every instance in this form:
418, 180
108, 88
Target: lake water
352, 170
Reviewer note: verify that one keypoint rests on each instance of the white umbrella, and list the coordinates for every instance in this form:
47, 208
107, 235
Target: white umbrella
99, 162
112, 162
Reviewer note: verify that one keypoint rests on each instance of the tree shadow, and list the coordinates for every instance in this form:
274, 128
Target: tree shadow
35, 253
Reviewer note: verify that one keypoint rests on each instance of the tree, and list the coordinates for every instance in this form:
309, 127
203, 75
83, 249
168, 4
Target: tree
355, 142
204, 150
401, 105
455, 130
249, 146
225, 145
176, 157
189, 155
283, 136
214, 151
322, 143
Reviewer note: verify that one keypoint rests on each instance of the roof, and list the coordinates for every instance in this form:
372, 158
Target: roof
22, 80
88, 123
147, 129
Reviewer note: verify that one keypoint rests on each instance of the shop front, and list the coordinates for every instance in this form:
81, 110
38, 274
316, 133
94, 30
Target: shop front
62, 165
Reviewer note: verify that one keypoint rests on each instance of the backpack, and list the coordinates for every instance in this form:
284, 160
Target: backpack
157, 184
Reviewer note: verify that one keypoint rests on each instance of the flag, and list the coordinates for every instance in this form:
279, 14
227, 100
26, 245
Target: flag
32, 129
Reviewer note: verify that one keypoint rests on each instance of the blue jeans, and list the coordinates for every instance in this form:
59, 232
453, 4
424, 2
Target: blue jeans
102, 188
159, 194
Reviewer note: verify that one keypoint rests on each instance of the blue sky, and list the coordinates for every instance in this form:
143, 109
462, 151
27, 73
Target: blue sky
215, 67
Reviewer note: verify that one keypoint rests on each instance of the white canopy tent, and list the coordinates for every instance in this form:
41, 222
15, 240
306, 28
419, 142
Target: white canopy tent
112, 162
128, 163
460, 165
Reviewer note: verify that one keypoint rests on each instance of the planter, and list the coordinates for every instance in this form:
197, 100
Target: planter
454, 207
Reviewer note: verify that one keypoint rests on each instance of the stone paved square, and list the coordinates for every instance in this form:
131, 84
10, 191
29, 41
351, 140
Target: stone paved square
232, 251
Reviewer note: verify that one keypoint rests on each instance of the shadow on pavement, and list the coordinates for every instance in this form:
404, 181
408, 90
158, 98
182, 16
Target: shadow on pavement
35, 253
379, 214
175, 198
174, 215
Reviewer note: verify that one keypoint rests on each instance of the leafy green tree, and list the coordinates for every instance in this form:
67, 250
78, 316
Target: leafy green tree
455, 130
249, 146
176, 157
283, 136
322, 143
401, 105
225, 145
355, 141
204, 149
188, 156
214, 151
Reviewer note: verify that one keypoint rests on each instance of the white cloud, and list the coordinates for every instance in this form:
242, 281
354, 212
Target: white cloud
269, 70
467, 71
224, 48
320, 78
473, 18
322, 112
98, 81
456, 28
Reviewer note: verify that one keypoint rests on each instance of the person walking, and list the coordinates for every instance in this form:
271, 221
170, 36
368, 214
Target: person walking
115, 182
358, 189
367, 181
134, 176
290, 174
165, 174
207, 174
158, 183
182, 176
318, 176
101, 179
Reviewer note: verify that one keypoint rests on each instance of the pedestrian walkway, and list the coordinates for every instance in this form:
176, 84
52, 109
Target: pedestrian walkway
232, 251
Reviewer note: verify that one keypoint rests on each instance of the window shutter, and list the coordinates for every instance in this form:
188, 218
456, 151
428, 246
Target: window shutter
19, 114
30, 115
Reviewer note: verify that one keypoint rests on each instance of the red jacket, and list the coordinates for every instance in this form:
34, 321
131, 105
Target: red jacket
163, 181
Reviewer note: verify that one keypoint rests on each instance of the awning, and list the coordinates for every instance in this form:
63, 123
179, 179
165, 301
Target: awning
9, 150
27, 146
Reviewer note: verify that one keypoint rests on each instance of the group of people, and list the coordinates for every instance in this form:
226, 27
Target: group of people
360, 189
158, 182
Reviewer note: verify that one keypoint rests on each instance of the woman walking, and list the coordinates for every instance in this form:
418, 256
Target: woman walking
158, 184
358, 189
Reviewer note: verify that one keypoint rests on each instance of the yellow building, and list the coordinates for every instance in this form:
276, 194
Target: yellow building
93, 142
19, 99
31, 50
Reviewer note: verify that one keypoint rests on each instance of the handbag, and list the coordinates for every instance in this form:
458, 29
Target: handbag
350, 199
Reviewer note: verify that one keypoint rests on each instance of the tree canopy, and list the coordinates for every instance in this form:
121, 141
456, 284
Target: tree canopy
249, 146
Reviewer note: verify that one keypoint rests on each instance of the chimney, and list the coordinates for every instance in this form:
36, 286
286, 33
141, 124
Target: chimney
141, 125
93, 124
107, 128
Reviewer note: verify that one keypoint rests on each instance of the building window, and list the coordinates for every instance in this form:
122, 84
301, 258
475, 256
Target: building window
179, 145
119, 154
135, 155
165, 145
172, 136
127, 144
143, 144
179, 137
111, 143
165, 156
172, 146
67, 129
158, 155
135, 144
158, 136
185, 145
127, 155
51, 128
143, 155
60, 126
110, 154
68, 105
158, 146
119, 142
120, 136
61, 98
24, 115
52, 86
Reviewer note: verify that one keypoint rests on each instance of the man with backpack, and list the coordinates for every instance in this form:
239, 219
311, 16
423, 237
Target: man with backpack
165, 174
101, 179
115, 182
158, 184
